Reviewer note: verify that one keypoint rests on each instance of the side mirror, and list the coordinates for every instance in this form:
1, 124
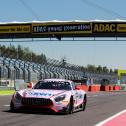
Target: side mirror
30, 85
77, 87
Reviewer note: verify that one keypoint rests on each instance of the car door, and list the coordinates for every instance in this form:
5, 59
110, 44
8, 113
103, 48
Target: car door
79, 95
75, 94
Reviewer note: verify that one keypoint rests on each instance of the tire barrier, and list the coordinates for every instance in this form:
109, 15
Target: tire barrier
84, 87
97, 88
117, 88
105, 88
94, 88
111, 88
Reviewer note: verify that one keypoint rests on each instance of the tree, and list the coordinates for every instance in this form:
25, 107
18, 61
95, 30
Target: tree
91, 68
110, 71
99, 69
3, 50
116, 71
20, 52
105, 69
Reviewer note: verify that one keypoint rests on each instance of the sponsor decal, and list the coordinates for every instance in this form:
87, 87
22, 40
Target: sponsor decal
39, 94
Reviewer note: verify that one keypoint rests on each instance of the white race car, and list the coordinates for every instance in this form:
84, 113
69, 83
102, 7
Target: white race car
57, 95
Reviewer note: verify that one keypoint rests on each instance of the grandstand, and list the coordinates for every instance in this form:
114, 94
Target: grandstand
12, 69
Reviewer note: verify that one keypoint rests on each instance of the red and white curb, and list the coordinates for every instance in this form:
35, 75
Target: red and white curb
118, 119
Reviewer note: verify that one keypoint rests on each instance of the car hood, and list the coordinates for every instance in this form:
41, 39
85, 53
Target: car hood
40, 93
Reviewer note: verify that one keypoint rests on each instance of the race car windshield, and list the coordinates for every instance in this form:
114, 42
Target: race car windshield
53, 85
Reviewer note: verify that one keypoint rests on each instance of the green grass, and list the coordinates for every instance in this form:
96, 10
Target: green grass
6, 92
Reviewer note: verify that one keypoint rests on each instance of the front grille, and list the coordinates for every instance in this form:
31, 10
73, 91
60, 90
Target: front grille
37, 101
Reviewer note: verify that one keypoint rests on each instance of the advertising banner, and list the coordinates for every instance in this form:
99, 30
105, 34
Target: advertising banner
61, 28
12, 29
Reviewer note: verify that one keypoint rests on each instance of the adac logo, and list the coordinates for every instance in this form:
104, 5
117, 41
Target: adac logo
104, 27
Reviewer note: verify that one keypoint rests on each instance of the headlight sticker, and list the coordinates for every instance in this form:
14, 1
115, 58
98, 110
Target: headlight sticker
60, 98
18, 98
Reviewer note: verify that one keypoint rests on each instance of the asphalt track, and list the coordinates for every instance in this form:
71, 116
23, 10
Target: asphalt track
100, 106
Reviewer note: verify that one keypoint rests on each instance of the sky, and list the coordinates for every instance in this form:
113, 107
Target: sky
105, 53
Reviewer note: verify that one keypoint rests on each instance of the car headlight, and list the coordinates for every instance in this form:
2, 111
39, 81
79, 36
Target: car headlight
60, 98
18, 98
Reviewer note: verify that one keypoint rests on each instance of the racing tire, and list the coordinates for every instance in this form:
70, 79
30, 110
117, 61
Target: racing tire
12, 108
70, 106
84, 103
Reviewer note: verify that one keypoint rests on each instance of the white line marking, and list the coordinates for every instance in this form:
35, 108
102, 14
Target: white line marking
102, 94
6, 105
88, 96
95, 95
5, 94
110, 118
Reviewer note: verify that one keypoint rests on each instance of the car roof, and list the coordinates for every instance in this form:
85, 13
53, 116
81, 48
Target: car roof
57, 80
